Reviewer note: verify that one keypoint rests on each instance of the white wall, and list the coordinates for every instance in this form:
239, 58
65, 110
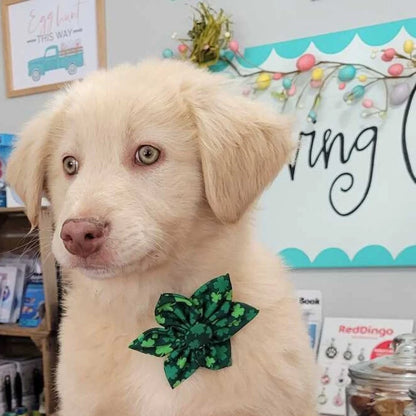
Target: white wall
140, 28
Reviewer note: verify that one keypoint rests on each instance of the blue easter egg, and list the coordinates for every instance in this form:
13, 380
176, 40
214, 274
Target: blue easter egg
167, 53
358, 92
287, 83
347, 73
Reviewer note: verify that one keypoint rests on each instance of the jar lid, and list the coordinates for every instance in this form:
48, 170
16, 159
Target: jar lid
399, 368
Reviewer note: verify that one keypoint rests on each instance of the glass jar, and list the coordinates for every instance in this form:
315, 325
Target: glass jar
380, 387
411, 409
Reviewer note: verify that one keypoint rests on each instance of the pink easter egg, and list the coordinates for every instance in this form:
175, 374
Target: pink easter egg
390, 53
292, 91
367, 103
341, 85
386, 58
277, 76
246, 91
395, 70
234, 46
315, 83
305, 62
182, 48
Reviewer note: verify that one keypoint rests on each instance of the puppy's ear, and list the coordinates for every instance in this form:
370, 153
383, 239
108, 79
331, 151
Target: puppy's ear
243, 147
26, 169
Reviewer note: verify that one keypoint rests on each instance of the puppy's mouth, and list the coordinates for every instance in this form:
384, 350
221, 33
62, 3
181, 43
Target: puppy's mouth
94, 268
97, 268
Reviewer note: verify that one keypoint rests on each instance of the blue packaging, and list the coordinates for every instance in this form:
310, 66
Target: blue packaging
6, 146
33, 305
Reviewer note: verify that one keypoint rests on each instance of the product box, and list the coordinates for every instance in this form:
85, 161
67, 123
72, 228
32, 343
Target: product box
33, 305
6, 146
12, 199
311, 303
8, 282
347, 341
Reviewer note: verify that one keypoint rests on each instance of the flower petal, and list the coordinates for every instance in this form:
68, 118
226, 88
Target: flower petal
176, 311
218, 356
211, 296
229, 324
156, 341
179, 366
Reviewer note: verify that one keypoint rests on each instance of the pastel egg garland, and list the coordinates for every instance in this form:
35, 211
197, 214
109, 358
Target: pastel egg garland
401, 63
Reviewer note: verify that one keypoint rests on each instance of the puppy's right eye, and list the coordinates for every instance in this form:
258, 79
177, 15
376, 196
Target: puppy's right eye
70, 165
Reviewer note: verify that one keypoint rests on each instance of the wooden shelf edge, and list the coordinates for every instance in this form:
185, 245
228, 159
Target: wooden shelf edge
10, 210
4, 210
14, 330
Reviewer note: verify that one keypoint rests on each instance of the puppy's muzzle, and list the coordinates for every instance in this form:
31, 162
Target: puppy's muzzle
83, 237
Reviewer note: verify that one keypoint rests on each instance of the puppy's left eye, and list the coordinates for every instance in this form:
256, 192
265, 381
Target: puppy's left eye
147, 155
70, 165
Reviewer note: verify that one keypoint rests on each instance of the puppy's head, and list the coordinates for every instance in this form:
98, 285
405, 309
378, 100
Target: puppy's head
133, 160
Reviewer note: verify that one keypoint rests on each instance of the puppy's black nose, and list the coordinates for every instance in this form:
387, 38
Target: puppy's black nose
83, 237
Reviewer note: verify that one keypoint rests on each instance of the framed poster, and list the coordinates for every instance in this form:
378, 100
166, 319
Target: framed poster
49, 43
347, 198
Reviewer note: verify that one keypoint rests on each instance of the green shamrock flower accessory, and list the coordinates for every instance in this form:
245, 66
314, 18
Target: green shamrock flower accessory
196, 331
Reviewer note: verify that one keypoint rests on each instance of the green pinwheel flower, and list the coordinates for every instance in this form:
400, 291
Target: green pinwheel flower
195, 331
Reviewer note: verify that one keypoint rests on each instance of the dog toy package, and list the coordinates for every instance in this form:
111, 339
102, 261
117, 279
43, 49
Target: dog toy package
33, 304
196, 331
6, 143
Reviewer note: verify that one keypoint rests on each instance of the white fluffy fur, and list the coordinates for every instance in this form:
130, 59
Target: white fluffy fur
174, 225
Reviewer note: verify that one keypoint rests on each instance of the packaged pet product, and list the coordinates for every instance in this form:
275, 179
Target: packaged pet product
7, 375
311, 303
25, 266
6, 142
33, 305
8, 281
27, 368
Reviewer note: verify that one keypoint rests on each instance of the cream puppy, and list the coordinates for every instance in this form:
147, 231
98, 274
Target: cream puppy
152, 172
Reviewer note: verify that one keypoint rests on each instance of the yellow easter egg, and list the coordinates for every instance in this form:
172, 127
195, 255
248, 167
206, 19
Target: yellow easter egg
317, 74
362, 78
408, 46
263, 81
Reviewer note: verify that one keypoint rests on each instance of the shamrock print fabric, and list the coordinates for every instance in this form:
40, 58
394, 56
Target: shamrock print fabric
195, 332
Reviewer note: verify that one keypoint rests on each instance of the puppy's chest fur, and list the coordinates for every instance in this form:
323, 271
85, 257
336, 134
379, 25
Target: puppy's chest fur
100, 373
103, 376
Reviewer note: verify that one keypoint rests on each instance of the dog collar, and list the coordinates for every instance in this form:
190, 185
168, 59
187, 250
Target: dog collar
195, 331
